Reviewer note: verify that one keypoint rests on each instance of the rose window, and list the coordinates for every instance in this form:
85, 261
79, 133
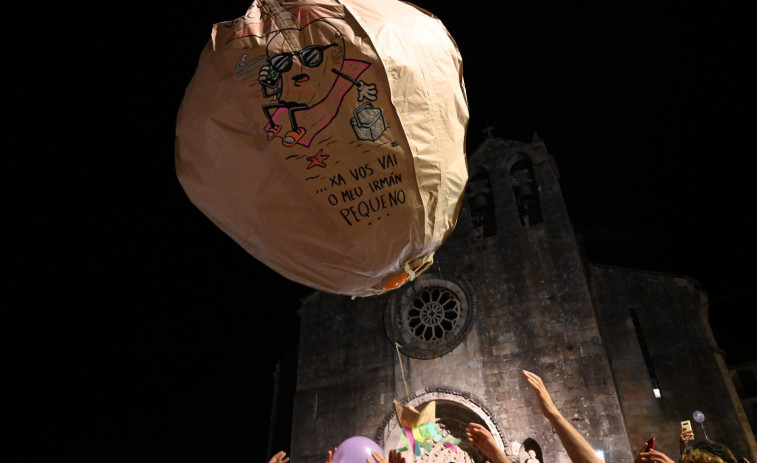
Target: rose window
430, 318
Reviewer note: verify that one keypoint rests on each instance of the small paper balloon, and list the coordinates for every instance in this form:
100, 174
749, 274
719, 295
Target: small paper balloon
355, 450
698, 416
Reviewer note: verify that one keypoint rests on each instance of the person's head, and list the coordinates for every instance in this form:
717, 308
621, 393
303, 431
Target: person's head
306, 57
707, 451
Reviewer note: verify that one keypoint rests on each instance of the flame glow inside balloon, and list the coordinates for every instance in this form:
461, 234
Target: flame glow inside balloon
355, 450
698, 416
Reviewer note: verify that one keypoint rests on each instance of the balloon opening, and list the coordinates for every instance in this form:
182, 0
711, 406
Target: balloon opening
397, 282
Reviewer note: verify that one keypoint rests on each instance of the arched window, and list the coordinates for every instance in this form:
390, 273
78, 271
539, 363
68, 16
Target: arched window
526, 190
481, 203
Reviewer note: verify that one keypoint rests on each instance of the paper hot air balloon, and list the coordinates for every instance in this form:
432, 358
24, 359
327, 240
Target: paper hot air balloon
327, 139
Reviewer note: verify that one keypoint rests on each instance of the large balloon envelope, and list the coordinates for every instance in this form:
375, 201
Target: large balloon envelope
327, 138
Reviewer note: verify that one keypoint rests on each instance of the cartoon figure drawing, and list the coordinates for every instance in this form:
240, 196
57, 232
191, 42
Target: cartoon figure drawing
309, 83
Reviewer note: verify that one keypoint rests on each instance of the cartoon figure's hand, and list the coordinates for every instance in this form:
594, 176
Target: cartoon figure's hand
366, 91
263, 74
268, 76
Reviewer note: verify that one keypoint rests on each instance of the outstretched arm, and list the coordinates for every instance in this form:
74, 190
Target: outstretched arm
483, 439
578, 448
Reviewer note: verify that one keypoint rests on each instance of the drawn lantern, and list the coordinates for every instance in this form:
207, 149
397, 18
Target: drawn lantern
323, 144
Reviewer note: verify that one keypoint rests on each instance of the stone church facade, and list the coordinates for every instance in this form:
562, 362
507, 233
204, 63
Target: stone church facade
625, 354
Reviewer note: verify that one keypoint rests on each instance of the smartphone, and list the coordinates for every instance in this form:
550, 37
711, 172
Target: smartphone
687, 424
650, 444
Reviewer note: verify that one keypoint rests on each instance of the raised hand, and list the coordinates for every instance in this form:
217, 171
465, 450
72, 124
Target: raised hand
280, 457
330, 455
548, 407
479, 436
394, 457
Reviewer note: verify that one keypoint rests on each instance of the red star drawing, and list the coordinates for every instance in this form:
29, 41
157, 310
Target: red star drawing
317, 160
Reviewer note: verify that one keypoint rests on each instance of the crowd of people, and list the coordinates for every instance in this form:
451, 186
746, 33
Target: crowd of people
577, 447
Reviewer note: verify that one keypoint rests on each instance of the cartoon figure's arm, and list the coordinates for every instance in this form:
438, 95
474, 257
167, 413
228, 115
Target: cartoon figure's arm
364, 91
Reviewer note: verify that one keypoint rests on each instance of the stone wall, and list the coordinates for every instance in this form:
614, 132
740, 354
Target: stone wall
671, 315
527, 305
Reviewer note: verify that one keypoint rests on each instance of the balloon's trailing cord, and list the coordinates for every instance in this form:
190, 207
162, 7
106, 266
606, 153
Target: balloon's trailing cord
399, 358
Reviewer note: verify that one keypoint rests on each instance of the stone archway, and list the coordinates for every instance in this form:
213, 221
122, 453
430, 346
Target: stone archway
454, 410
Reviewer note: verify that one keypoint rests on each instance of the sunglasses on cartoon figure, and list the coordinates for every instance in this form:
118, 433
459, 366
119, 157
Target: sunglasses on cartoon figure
310, 56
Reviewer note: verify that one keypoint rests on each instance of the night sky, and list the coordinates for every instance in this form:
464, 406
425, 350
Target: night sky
157, 335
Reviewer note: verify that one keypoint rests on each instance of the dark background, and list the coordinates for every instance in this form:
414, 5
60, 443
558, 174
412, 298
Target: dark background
154, 337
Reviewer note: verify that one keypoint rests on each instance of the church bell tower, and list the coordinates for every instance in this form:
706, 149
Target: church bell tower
506, 292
